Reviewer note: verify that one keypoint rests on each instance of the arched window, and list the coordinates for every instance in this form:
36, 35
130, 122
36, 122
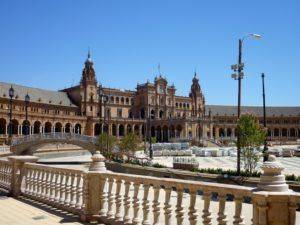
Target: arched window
152, 114
161, 114
112, 100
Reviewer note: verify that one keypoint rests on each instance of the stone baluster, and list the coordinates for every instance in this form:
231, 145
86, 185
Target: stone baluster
136, 204
73, 191
39, 183
206, 213
57, 187
79, 189
167, 205
28, 181
54, 177
179, 209
126, 203
47, 186
238, 219
110, 213
85, 192
146, 206
192, 211
33, 183
67, 187
118, 215
62, 188
103, 197
221, 215
155, 204
43, 185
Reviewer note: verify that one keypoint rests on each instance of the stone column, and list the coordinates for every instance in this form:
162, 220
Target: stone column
273, 202
94, 187
6, 129
117, 130
211, 131
18, 172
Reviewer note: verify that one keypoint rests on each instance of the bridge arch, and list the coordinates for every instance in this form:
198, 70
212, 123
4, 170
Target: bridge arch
28, 145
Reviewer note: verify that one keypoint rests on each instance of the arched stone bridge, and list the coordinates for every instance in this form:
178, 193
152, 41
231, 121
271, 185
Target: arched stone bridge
30, 143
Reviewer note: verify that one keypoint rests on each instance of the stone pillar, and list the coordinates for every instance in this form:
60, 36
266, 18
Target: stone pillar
273, 202
19, 129
6, 129
94, 187
18, 172
117, 130
211, 131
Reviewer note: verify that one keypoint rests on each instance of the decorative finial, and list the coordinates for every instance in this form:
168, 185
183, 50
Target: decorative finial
195, 73
89, 53
158, 68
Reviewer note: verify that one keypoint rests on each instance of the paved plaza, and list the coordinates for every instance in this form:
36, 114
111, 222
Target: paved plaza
291, 164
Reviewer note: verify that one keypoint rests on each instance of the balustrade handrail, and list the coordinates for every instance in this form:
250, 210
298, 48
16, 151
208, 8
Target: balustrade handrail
182, 184
104, 194
55, 136
52, 168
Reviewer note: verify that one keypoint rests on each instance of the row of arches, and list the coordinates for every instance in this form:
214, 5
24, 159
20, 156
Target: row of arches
275, 133
162, 133
25, 127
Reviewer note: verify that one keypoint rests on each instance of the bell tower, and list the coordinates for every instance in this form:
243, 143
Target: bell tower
88, 86
197, 97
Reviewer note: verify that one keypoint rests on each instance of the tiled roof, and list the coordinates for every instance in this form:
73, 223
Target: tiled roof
255, 110
36, 95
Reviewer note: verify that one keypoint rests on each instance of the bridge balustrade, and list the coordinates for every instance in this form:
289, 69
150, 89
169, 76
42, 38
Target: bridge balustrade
54, 136
117, 198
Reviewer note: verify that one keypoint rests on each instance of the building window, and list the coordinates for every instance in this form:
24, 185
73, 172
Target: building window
120, 113
91, 108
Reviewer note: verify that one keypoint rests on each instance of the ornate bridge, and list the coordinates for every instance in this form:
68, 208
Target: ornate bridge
30, 143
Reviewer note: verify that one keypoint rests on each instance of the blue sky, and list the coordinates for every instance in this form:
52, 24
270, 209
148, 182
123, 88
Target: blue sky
44, 44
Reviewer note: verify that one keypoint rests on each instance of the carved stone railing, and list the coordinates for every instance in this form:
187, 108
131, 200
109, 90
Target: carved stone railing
57, 187
5, 174
117, 198
55, 136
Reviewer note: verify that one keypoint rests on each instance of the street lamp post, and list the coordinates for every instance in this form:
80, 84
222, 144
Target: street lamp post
239, 76
265, 150
11, 93
150, 135
106, 120
27, 99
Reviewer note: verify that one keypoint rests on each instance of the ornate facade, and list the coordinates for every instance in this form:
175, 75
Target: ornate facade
152, 109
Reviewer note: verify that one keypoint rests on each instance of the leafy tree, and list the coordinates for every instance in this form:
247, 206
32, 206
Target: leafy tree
129, 144
106, 141
251, 137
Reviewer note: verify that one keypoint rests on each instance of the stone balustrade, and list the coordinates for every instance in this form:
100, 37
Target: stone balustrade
117, 198
5, 174
61, 188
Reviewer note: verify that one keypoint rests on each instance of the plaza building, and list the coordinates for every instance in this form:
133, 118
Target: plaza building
152, 109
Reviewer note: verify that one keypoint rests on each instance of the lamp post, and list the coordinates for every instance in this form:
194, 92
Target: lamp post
239, 76
106, 120
27, 99
11, 93
150, 135
265, 150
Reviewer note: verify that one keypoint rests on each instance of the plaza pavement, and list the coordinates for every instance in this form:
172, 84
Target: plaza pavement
291, 165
